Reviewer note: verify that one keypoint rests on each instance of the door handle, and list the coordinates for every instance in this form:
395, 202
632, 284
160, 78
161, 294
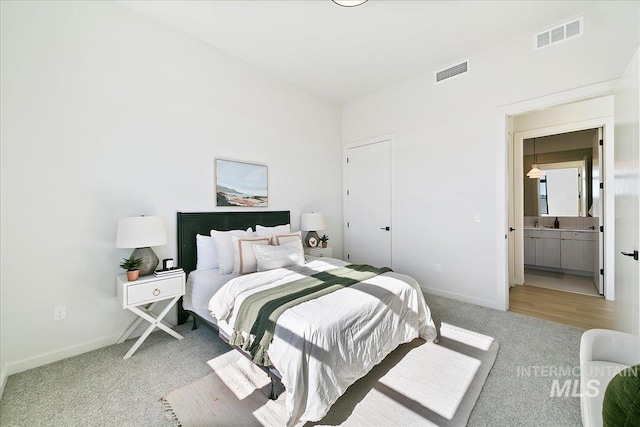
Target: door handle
634, 254
512, 229
385, 228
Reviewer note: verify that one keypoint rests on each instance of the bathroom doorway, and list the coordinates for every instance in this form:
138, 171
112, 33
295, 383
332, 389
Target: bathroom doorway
584, 228
562, 274
562, 212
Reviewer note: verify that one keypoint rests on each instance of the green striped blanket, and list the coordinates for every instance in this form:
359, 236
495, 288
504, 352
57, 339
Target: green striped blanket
260, 311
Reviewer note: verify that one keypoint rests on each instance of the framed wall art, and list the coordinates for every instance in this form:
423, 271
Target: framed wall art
241, 184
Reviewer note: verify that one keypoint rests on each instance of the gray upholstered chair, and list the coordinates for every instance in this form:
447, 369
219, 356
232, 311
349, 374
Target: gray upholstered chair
603, 353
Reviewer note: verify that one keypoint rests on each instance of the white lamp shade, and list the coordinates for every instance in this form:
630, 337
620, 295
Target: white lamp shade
141, 231
349, 3
535, 172
311, 221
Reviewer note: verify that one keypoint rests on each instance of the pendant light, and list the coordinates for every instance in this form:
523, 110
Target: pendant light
535, 172
349, 3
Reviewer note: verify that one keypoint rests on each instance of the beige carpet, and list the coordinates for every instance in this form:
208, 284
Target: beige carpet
418, 384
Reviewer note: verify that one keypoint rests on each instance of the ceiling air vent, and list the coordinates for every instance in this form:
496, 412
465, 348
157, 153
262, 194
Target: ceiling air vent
559, 33
456, 70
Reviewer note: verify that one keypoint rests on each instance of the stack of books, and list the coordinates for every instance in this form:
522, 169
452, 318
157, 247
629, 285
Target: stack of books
175, 271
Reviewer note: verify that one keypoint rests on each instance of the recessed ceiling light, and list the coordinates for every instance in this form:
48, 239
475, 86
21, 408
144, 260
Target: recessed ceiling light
349, 3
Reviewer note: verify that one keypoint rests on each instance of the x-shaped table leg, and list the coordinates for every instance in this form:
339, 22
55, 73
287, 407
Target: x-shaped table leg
156, 322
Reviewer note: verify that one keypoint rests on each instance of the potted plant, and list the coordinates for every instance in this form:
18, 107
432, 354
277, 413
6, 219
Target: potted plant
131, 264
324, 239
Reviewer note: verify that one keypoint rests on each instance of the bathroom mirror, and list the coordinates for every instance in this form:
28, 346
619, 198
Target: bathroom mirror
561, 192
566, 189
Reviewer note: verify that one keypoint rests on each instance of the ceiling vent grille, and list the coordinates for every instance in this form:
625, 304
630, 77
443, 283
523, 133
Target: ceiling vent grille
560, 33
456, 70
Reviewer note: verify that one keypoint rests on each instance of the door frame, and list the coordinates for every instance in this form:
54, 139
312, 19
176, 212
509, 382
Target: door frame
391, 137
503, 117
607, 217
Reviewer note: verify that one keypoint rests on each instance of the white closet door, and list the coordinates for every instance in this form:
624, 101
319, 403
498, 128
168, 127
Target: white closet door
368, 231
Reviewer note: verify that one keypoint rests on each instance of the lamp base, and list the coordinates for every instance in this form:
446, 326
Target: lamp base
312, 239
149, 260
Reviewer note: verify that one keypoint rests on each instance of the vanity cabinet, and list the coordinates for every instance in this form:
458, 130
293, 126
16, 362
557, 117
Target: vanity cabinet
566, 249
577, 250
548, 252
542, 248
529, 250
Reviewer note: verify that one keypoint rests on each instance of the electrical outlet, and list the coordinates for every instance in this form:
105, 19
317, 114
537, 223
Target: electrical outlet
60, 312
438, 268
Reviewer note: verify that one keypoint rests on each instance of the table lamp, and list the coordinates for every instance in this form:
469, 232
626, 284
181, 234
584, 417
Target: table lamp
142, 232
311, 222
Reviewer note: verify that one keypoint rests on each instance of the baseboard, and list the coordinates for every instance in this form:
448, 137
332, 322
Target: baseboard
54, 356
460, 297
3, 380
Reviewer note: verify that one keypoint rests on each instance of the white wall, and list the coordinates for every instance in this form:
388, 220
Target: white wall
450, 153
107, 113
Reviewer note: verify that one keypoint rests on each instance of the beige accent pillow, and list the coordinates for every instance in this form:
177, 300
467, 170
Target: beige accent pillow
281, 239
244, 259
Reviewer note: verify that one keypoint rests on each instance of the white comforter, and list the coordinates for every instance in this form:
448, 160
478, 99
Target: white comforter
323, 346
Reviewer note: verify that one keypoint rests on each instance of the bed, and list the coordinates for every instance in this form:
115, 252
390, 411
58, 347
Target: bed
321, 346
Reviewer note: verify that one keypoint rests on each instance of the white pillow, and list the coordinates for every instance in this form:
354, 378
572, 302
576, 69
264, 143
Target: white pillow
224, 247
281, 239
262, 231
244, 260
270, 257
207, 255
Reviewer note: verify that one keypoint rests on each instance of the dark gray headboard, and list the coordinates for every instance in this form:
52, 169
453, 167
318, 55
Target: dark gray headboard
192, 223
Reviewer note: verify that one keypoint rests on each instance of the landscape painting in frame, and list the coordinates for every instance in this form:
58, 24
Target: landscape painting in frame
241, 184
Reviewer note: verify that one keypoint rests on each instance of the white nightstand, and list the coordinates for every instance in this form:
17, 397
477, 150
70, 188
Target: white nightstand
319, 252
149, 290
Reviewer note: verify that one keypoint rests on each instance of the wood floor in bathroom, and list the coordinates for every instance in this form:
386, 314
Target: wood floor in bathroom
583, 311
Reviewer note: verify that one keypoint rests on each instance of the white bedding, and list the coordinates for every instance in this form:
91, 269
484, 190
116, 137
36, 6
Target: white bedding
200, 287
323, 346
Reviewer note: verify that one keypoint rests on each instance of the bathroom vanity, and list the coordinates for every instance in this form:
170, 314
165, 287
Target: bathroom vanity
573, 251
